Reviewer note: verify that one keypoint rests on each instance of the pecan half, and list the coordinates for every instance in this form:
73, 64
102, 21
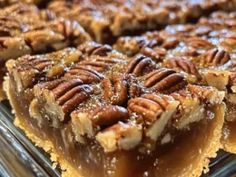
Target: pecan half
182, 64
70, 30
43, 40
60, 97
156, 53
85, 74
119, 88
139, 65
123, 136
164, 80
115, 90
216, 57
198, 42
88, 122
154, 111
93, 48
170, 43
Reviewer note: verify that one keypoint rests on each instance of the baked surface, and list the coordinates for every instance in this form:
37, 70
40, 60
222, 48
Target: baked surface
105, 20
41, 33
203, 51
95, 100
161, 104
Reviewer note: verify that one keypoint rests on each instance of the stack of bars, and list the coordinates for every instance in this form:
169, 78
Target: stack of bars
154, 103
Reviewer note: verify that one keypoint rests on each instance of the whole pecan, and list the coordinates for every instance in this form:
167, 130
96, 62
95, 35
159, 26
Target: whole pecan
93, 48
198, 42
182, 64
115, 90
139, 65
155, 53
109, 115
87, 75
70, 30
149, 107
119, 88
170, 43
61, 97
90, 121
153, 111
216, 57
164, 80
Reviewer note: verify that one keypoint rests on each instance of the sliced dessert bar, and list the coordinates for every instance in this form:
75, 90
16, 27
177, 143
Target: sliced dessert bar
204, 52
42, 32
105, 20
100, 113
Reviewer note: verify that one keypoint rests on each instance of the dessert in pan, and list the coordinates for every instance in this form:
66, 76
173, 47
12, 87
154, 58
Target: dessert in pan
203, 52
24, 29
101, 113
105, 20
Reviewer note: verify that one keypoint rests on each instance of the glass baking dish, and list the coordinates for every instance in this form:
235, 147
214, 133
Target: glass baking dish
20, 158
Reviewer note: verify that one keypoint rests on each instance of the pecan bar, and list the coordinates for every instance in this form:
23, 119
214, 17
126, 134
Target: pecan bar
203, 52
42, 32
105, 20
101, 113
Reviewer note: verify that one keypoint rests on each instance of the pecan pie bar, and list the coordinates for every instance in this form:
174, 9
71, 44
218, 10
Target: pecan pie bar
101, 113
204, 53
105, 20
42, 32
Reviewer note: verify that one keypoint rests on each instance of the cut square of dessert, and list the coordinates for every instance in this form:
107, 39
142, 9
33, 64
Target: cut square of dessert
203, 52
105, 20
101, 113
42, 32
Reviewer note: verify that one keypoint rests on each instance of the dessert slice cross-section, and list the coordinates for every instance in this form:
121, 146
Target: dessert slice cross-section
101, 113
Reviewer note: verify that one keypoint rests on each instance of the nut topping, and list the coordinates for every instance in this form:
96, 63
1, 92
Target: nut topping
184, 65
116, 91
198, 42
170, 43
109, 115
62, 96
93, 48
155, 53
154, 111
139, 65
89, 121
216, 57
164, 80
85, 74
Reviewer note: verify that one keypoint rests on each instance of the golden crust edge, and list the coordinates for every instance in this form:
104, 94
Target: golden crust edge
215, 145
47, 146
